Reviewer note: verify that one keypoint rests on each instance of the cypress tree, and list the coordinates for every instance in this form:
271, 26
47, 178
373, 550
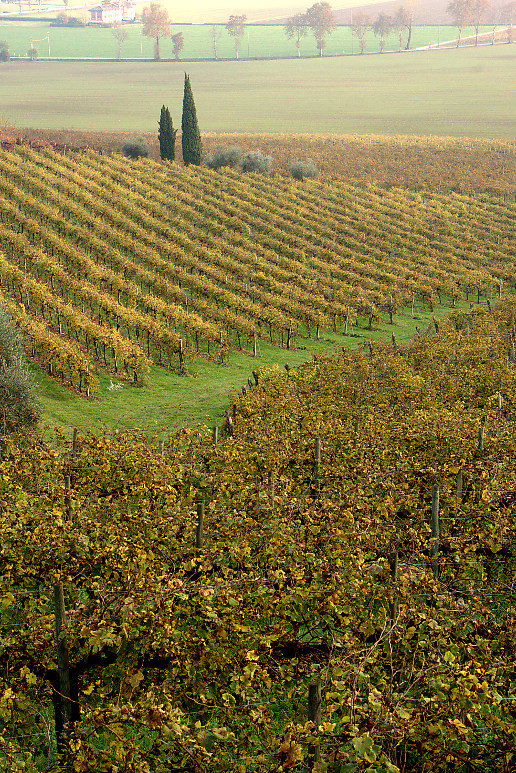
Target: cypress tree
191, 136
166, 136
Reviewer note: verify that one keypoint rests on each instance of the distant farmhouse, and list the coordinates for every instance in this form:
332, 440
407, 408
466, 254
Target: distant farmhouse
113, 13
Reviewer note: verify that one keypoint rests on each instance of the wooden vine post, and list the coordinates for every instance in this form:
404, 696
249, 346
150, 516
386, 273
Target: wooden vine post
271, 487
435, 531
355, 433
230, 423
460, 481
182, 369
67, 498
314, 715
395, 604
199, 533
481, 439
63, 700
317, 463
74, 443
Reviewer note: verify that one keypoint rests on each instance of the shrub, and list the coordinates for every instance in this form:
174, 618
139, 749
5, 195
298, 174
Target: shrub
63, 20
32, 53
224, 157
4, 51
255, 161
19, 407
135, 148
301, 169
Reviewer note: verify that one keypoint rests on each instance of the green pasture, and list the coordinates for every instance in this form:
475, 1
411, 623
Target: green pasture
258, 41
202, 396
450, 92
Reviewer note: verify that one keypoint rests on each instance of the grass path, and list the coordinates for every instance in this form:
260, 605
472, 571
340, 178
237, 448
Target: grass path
201, 397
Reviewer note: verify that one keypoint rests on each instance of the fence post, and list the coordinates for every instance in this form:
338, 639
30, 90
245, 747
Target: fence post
435, 531
314, 715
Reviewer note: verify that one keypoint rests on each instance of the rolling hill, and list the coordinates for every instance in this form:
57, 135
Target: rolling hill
112, 265
424, 11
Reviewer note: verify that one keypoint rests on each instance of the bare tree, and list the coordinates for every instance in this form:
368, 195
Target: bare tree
216, 33
461, 12
480, 11
179, 44
120, 36
236, 28
296, 27
403, 20
322, 22
156, 24
507, 16
361, 23
382, 28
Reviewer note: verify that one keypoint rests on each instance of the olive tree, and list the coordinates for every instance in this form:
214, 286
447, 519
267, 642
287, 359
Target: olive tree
135, 148
19, 407
224, 157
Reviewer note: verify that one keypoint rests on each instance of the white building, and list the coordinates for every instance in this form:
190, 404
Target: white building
113, 13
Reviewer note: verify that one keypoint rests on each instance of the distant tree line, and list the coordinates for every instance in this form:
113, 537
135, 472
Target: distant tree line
476, 13
319, 18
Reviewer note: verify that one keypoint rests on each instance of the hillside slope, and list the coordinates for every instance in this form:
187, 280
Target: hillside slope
424, 11
115, 264
353, 541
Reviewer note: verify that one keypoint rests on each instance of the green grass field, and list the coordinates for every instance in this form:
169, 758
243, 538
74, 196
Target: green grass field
453, 92
258, 41
201, 397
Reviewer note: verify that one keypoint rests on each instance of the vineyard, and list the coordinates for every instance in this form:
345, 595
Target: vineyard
110, 265
463, 165
330, 587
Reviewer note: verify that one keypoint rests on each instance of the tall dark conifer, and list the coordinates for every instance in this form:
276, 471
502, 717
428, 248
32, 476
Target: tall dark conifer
191, 136
166, 136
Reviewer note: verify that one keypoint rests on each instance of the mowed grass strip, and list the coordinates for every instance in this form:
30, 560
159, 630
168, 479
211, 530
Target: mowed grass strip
452, 92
